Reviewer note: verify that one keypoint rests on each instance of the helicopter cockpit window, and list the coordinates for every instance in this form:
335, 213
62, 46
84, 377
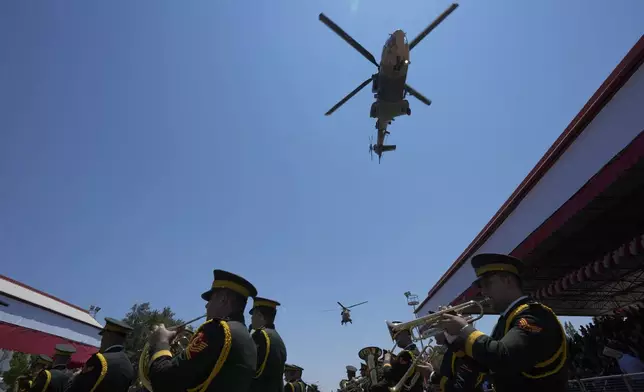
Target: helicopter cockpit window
391, 41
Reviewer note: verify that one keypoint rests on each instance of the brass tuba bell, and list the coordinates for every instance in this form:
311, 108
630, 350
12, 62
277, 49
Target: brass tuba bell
369, 355
178, 345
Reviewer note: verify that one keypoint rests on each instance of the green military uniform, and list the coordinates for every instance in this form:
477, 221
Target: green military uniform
396, 369
39, 363
109, 370
527, 350
399, 366
302, 385
271, 353
23, 384
352, 379
292, 386
295, 384
56, 378
458, 372
221, 355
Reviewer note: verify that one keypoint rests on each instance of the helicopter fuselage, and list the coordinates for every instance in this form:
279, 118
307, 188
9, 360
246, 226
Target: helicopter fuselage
389, 84
389, 87
346, 315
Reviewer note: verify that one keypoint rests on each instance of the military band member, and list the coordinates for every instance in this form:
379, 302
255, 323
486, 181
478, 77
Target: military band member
298, 377
349, 382
56, 378
39, 363
351, 372
457, 371
23, 384
527, 349
271, 351
109, 370
290, 375
221, 355
364, 370
396, 366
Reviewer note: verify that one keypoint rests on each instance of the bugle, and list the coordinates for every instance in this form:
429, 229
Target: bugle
177, 345
430, 321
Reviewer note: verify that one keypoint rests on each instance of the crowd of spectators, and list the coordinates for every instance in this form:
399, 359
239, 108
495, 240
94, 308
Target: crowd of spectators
609, 345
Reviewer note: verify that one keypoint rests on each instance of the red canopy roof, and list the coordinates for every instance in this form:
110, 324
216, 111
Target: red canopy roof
29, 341
602, 96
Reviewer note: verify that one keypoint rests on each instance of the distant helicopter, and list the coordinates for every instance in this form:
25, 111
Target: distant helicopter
389, 84
346, 313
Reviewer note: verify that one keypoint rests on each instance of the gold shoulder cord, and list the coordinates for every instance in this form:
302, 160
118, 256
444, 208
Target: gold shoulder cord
228, 341
103, 361
268, 349
561, 352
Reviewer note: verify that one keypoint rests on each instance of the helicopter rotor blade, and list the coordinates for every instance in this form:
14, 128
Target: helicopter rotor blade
336, 29
417, 95
348, 97
361, 303
432, 26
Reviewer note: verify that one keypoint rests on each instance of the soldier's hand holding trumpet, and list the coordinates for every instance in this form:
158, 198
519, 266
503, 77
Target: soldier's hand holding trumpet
452, 323
160, 334
425, 368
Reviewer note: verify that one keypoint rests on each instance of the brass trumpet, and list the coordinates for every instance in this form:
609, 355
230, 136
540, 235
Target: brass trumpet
431, 320
179, 344
401, 383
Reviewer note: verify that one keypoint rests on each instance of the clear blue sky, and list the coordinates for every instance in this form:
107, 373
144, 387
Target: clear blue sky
145, 143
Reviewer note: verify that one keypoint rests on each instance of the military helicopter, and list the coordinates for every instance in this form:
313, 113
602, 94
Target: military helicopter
389, 84
346, 313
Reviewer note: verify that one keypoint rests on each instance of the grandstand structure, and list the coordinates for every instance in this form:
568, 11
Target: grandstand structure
33, 322
577, 219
